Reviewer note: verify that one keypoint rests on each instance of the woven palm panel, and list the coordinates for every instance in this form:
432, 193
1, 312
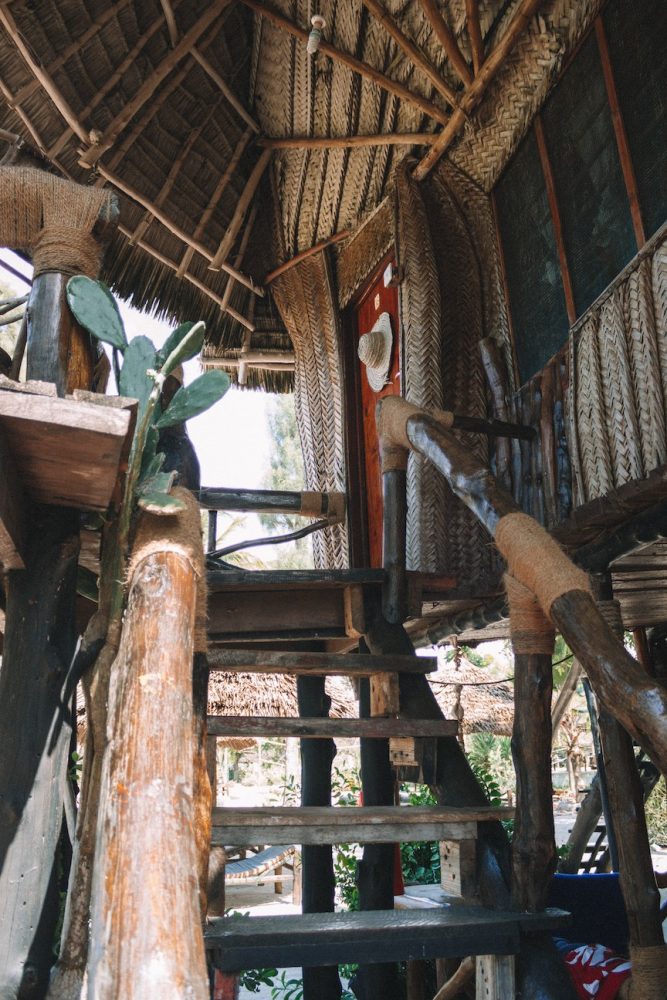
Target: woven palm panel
421, 320
521, 86
305, 297
459, 263
617, 396
360, 255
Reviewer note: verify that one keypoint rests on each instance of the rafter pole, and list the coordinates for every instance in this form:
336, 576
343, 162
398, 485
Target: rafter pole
446, 38
238, 261
252, 183
170, 18
11, 102
176, 230
224, 89
477, 88
475, 34
45, 81
347, 141
416, 56
151, 83
25, 92
163, 259
202, 224
293, 261
364, 69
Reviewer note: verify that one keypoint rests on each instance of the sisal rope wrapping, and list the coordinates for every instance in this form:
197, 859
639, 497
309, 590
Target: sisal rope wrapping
391, 417
53, 218
530, 629
537, 561
311, 504
179, 533
649, 972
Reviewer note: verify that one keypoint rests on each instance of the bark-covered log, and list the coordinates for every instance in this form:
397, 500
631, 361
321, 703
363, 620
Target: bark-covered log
146, 937
318, 882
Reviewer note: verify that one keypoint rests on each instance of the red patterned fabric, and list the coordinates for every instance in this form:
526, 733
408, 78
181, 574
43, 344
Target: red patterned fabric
597, 972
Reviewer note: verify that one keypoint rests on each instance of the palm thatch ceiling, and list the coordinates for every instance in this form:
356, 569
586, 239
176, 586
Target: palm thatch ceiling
232, 149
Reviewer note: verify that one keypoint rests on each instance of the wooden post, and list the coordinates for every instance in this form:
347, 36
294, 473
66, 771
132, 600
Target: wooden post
146, 936
318, 881
67, 356
395, 591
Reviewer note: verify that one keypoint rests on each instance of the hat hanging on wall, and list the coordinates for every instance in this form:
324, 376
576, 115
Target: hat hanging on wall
375, 351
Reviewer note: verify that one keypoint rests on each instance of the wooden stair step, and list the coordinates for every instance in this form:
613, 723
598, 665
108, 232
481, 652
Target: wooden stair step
317, 728
314, 939
340, 664
344, 824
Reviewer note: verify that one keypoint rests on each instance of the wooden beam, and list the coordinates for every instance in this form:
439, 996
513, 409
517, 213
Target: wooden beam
624, 155
189, 277
364, 69
238, 261
477, 89
161, 216
151, 83
347, 141
475, 34
446, 38
303, 254
225, 89
25, 92
170, 18
256, 359
12, 512
228, 239
316, 728
352, 664
40, 74
415, 55
552, 198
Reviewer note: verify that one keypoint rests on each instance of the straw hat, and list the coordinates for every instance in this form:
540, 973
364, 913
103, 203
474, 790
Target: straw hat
375, 351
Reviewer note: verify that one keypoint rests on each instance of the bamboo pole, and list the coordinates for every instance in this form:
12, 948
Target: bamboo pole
225, 89
176, 230
303, 254
475, 34
364, 69
236, 221
447, 40
151, 83
260, 358
415, 55
476, 90
170, 18
146, 935
163, 259
238, 261
347, 141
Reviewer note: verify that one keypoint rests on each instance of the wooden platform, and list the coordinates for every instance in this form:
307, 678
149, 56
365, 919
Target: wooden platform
343, 824
314, 939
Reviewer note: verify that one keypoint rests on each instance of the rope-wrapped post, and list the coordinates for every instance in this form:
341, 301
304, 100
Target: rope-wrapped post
146, 934
637, 701
533, 844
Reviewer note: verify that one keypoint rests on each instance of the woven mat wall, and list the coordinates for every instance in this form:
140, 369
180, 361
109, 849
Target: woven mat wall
618, 392
305, 297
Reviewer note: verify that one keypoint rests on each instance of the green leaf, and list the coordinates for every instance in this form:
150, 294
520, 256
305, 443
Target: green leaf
95, 309
193, 399
182, 344
160, 503
161, 482
134, 380
151, 465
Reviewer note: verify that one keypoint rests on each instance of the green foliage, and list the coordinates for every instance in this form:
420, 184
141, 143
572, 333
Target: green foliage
480, 756
656, 814
95, 309
139, 358
253, 979
182, 344
193, 399
420, 860
471, 655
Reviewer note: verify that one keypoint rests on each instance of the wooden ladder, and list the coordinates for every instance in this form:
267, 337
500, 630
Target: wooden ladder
456, 926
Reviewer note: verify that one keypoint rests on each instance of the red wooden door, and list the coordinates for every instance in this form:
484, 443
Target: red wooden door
379, 298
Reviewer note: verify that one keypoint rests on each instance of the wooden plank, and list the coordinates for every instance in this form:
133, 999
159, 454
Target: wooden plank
494, 977
329, 938
275, 614
12, 512
458, 867
294, 579
67, 452
378, 728
340, 825
349, 664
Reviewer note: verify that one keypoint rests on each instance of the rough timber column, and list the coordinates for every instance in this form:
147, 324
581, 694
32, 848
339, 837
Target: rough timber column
54, 219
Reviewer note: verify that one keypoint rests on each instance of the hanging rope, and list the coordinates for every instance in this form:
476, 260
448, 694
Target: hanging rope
53, 219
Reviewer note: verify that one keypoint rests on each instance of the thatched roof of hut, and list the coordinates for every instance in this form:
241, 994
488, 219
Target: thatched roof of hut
184, 109
487, 705
271, 694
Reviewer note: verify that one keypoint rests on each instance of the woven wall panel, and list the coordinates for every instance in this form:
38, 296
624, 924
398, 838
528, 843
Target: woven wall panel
520, 87
360, 255
304, 295
618, 393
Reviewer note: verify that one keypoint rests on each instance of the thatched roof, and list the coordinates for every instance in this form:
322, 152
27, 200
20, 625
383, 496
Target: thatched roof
271, 694
171, 104
487, 705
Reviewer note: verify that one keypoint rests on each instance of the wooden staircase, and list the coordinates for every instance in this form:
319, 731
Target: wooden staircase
460, 926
